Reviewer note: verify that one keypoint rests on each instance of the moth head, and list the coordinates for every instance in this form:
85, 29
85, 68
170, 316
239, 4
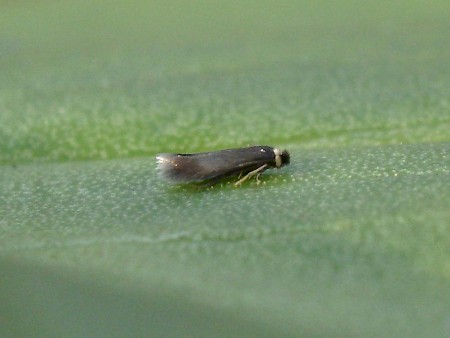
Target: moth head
282, 158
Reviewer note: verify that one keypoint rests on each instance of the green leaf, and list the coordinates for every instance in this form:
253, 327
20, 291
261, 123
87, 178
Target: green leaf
351, 239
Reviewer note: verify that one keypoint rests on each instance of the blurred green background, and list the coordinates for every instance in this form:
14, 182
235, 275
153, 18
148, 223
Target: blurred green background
352, 239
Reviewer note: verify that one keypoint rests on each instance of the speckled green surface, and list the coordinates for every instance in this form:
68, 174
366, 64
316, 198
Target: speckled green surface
352, 239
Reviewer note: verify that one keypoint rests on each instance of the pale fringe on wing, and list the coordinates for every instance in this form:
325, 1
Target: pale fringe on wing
165, 166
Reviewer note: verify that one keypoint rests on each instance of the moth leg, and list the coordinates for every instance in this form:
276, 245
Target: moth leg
257, 176
256, 172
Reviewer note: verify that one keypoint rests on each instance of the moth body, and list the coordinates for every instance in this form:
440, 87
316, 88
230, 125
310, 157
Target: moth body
211, 167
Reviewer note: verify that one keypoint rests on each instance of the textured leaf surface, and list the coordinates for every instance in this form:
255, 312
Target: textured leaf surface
352, 239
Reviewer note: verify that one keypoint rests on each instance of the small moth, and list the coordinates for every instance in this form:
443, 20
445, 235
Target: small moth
210, 167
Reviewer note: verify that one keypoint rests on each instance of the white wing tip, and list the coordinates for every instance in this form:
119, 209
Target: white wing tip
165, 165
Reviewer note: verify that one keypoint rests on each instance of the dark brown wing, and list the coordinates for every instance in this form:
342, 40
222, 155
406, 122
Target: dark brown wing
214, 165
